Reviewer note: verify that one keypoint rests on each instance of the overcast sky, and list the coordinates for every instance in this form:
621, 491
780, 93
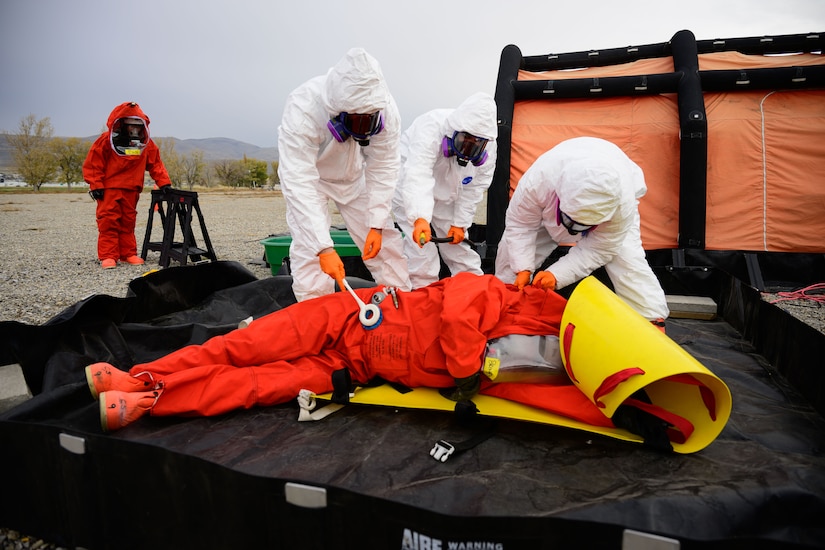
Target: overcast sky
203, 68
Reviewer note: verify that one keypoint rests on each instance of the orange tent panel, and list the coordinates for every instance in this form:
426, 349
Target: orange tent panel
766, 152
647, 130
766, 171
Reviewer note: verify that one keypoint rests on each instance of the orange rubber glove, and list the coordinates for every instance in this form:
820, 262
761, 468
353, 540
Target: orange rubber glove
332, 265
421, 232
456, 233
545, 280
522, 279
372, 245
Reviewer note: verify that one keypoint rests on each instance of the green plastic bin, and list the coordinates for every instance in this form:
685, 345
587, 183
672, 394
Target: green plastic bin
276, 248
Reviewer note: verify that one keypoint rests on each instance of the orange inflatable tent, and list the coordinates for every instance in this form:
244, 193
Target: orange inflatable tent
730, 135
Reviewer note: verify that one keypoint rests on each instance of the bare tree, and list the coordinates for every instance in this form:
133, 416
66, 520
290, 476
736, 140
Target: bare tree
70, 154
194, 168
208, 174
171, 160
31, 152
231, 172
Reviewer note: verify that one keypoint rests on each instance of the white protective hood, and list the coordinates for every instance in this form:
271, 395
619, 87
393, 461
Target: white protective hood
590, 187
356, 85
476, 115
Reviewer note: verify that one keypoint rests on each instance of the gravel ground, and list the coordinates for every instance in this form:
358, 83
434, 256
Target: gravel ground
48, 250
48, 259
810, 309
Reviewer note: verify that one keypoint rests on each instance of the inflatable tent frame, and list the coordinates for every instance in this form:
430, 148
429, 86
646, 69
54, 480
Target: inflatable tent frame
581, 81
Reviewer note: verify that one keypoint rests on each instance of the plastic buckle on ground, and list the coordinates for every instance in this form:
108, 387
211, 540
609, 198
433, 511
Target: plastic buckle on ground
442, 450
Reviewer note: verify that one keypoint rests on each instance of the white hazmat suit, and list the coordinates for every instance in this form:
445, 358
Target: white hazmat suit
594, 183
435, 187
315, 167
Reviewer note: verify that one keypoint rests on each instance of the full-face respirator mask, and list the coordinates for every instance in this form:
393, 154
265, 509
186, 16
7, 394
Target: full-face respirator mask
360, 127
466, 148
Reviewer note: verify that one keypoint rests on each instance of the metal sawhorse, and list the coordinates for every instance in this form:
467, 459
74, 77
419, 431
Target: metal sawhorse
175, 208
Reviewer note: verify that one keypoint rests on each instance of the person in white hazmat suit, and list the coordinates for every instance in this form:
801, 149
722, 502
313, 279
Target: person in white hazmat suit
447, 161
338, 141
584, 191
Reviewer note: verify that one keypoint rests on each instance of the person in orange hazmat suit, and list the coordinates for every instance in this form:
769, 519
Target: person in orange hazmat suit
114, 169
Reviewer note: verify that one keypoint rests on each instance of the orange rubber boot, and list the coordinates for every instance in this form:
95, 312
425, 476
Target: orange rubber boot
103, 377
134, 260
119, 408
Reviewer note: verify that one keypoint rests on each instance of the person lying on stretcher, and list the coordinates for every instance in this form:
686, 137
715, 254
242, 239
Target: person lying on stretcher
437, 336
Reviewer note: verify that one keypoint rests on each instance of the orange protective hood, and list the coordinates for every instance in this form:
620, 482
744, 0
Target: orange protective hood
127, 109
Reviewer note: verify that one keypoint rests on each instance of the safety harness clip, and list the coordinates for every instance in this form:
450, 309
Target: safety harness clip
308, 404
442, 450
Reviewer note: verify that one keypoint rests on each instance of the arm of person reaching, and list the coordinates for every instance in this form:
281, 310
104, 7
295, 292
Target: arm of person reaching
381, 168
593, 251
416, 186
523, 221
471, 308
94, 169
298, 173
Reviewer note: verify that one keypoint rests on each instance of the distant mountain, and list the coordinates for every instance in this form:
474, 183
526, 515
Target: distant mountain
223, 148
213, 149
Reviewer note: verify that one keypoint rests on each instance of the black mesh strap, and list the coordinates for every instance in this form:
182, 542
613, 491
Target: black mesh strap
341, 386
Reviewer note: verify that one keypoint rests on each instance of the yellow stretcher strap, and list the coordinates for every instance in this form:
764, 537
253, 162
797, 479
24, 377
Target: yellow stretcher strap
681, 427
611, 382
